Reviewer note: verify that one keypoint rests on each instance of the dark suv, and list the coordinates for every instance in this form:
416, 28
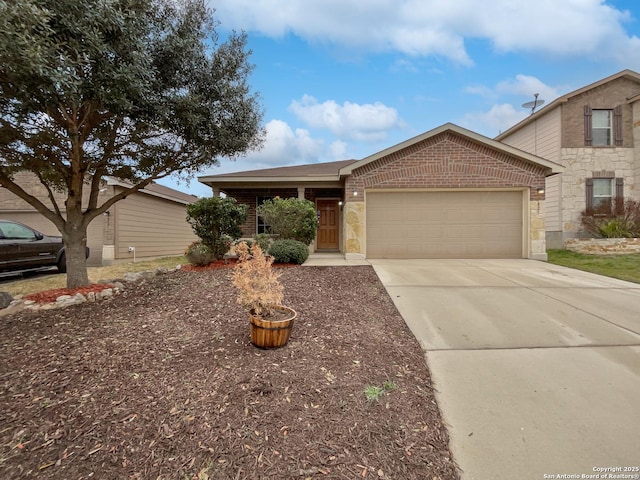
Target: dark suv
23, 248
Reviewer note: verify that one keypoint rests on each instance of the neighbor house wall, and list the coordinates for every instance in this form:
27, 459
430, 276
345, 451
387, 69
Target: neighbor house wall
588, 162
636, 147
553, 211
607, 96
542, 137
566, 195
155, 226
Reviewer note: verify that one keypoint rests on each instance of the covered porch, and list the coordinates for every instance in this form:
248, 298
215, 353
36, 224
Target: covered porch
321, 184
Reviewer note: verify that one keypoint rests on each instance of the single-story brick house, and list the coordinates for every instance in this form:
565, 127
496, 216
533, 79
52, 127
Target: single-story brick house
448, 193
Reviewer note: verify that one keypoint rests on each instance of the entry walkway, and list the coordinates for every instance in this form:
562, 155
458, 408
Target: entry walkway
331, 260
537, 367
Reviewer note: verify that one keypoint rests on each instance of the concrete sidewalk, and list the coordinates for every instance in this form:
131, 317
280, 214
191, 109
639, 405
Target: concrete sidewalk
537, 367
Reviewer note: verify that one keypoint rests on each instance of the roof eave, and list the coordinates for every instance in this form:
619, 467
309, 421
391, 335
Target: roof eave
111, 181
216, 180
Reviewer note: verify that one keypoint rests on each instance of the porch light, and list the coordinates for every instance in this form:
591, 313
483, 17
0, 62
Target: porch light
355, 194
340, 203
540, 191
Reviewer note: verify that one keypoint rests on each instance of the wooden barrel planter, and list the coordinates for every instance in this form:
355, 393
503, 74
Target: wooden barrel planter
272, 333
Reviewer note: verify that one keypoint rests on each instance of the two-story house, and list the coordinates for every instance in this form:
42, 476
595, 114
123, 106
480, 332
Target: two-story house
594, 132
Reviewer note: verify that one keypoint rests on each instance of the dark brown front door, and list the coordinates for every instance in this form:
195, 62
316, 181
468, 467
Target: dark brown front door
328, 228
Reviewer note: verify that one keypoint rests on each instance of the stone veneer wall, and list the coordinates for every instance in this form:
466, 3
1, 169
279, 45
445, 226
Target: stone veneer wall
354, 229
603, 246
537, 234
580, 164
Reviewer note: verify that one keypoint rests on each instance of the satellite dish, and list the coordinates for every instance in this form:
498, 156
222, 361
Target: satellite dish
533, 105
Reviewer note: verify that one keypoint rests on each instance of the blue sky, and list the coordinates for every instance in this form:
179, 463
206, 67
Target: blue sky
342, 79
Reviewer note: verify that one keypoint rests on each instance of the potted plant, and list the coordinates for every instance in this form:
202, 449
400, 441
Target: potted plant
260, 291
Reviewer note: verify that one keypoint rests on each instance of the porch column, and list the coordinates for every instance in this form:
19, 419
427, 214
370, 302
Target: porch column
300, 193
215, 192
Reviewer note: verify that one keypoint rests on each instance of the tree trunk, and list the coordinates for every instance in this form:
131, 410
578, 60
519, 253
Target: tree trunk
75, 244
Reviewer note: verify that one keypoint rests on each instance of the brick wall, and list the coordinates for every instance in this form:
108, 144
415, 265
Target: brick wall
446, 161
604, 97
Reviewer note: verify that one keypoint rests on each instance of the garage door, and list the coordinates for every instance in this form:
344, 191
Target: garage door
461, 224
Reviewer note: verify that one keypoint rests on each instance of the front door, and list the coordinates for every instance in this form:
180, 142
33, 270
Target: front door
328, 228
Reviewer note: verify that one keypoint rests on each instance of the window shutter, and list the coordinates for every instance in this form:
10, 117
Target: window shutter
617, 125
587, 126
589, 191
619, 199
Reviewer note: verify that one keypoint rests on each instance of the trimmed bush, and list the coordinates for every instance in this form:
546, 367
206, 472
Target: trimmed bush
290, 218
264, 240
289, 251
217, 221
199, 254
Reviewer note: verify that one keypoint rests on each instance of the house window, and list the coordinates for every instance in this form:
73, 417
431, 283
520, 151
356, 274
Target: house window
601, 128
603, 194
261, 226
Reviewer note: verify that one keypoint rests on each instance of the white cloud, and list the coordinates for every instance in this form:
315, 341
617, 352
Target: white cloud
440, 27
501, 116
285, 146
526, 86
337, 150
522, 86
496, 120
362, 122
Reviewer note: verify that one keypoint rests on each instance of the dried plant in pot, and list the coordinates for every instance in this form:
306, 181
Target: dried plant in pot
260, 291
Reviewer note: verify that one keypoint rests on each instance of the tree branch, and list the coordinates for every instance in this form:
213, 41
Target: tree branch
14, 188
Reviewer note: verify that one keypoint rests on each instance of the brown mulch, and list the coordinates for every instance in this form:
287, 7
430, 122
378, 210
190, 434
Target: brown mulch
161, 382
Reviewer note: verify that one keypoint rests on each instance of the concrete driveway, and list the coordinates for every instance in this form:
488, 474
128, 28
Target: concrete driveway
537, 367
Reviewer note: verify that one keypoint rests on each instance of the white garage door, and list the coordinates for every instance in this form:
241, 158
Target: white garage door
461, 224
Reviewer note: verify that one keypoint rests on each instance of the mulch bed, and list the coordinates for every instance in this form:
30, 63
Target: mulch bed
161, 382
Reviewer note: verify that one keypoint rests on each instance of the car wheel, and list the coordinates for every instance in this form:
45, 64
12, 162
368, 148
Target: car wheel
62, 264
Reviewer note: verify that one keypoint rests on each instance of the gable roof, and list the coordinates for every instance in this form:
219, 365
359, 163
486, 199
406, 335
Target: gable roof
450, 127
630, 74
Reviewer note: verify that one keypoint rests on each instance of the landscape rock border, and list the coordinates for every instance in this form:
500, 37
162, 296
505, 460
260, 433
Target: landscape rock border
14, 305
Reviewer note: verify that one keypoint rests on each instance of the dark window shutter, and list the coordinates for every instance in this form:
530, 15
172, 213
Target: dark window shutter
589, 190
587, 125
617, 125
619, 199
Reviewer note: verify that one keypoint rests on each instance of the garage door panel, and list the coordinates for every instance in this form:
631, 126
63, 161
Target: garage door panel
461, 224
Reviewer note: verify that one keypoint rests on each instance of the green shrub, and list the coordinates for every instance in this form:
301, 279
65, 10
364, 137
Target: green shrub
199, 254
264, 240
217, 221
622, 222
614, 228
290, 218
289, 251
